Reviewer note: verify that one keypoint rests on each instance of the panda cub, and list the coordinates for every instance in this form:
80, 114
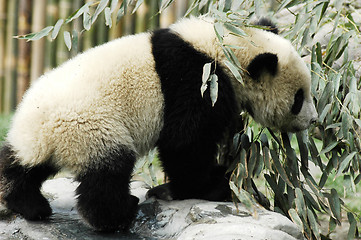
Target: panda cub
98, 112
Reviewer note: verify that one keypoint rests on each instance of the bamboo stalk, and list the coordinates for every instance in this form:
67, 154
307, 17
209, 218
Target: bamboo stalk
23, 66
2, 53
52, 14
117, 28
62, 52
37, 48
10, 58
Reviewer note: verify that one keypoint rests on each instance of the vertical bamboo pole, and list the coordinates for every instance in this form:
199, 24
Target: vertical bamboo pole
117, 28
168, 16
62, 52
23, 67
101, 32
52, 14
37, 48
141, 21
88, 36
77, 26
2, 52
152, 16
10, 57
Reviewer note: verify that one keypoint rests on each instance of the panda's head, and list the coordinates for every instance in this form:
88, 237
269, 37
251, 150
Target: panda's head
277, 82
277, 92
277, 89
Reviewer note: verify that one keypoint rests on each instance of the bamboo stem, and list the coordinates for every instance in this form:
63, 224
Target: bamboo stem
10, 58
2, 53
37, 48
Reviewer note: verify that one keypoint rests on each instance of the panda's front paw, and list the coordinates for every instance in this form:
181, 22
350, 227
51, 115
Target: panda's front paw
162, 192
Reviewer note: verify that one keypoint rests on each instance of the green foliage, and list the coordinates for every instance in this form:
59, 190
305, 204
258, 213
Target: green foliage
4, 126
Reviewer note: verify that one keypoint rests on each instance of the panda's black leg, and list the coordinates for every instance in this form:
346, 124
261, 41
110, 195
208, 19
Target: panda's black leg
104, 199
20, 186
192, 172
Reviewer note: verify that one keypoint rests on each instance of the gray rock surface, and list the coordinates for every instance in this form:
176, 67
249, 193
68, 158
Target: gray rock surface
189, 219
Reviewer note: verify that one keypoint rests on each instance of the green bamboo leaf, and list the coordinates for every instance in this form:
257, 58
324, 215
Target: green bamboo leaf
325, 111
101, 6
77, 13
56, 29
122, 10
243, 196
67, 39
164, 4
280, 169
346, 125
329, 147
86, 21
353, 226
235, 30
75, 40
213, 89
234, 71
295, 218
140, 2
218, 28
335, 204
36, 36
206, 72
332, 224
357, 179
108, 17
313, 224
300, 203
345, 162
266, 158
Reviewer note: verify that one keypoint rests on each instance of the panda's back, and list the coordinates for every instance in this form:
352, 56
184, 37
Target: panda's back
96, 101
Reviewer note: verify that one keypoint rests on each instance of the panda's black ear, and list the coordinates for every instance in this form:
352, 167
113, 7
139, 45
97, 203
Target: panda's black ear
268, 24
264, 62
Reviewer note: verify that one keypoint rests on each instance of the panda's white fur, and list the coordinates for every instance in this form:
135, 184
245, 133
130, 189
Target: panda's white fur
107, 96
98, 112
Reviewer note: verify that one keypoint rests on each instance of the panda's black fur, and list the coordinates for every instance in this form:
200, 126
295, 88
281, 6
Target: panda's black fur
192, 127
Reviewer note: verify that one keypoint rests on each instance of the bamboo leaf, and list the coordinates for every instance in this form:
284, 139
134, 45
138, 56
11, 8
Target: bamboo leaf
213, 88
329, 147
139, 3
234, 71
56, 29
335, 204
345, 162
108, 17
353, 226
67, 39
279, 168
300, 203
206, 72
295, 218
218, 28
235, 30
36, 36
164, 5
313, 224
101, 6
77, 13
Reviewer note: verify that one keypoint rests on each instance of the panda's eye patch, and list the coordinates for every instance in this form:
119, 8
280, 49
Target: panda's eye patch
297, 104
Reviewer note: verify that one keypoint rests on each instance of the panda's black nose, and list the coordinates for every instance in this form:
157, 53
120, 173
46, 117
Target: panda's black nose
313, 120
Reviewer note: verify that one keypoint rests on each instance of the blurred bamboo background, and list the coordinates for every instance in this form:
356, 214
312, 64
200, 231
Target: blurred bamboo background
22, 62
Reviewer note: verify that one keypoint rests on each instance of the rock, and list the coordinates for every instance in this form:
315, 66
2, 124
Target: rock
156, 219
